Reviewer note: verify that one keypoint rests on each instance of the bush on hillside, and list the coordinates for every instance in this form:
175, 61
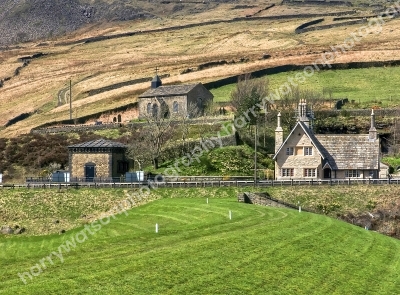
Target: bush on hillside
225, 161
236, 160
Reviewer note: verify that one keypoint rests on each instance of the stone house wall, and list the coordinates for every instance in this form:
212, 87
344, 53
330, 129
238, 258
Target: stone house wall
102, 161
169, 100
199, 92
298, 161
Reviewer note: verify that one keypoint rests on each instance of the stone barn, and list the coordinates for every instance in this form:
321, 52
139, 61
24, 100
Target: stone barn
98, 160
188, 99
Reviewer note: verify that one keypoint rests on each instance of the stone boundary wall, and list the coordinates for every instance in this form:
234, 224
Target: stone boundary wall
264, 199
92, 127
261, 10
293, 67
78, 128
82, 120
307, 24
385, 112
316, 2
324, 27
237, 19
121, 84
25, 62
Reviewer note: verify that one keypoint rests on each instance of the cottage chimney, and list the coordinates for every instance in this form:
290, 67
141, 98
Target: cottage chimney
372, 130
278, 133
302, 112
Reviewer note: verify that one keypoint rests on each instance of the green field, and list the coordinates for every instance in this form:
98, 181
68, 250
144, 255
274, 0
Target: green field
199, 250
368, 87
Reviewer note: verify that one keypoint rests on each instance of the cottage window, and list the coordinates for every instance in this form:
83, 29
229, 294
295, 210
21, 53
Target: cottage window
287, 172
352, 173
289, 151
309, 172
149, 108
308, 151
175, 107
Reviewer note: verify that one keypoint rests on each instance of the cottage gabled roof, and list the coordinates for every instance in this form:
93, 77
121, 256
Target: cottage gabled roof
344, 151
169, 90
309, 134
350, 151
99, 143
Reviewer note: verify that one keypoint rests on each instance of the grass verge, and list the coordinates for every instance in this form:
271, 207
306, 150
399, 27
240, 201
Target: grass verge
199, 250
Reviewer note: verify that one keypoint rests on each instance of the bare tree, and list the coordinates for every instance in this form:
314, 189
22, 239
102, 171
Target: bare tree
248, 95
138, 148
289, 102
158, 124
184, 116
206, 125
393, 142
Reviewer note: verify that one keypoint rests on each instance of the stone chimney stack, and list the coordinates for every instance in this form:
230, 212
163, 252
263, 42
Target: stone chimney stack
302, 113
278, 133
372, 130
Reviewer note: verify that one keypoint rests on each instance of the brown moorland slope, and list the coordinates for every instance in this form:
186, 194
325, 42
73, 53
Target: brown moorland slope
36, 88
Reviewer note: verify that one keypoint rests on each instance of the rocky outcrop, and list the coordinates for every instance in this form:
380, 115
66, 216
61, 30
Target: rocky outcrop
40, 19
6, 230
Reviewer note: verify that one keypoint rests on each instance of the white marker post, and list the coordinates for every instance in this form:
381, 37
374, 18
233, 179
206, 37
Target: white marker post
299, 208
230, 214
207, 200
156, 228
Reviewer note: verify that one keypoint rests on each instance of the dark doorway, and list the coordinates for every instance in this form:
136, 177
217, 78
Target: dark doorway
327, 173
119, 118
90, 171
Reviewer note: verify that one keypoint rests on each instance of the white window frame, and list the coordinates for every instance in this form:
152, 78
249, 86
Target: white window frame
310, 172
308, 151
352, 173
286, 172
290, 151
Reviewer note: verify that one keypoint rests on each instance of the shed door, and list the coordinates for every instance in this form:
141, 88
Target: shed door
90, 171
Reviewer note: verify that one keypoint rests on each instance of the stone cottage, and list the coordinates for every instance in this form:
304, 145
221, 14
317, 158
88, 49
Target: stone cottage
98, 160
190, 99
305, 155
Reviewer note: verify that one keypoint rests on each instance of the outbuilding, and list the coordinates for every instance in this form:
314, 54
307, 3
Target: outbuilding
98, 160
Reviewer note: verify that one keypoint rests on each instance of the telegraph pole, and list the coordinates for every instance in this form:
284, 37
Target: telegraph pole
255, 155
70, 99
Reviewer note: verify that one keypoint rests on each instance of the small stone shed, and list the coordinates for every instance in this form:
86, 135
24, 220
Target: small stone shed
98, 160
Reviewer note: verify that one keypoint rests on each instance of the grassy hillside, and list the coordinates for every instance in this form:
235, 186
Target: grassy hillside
243, 45
199, 250
367, 87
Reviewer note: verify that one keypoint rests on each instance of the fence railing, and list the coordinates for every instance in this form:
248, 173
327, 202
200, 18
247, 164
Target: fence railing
202, 181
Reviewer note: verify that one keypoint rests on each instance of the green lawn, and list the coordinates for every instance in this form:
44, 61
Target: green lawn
199, 250
369, 86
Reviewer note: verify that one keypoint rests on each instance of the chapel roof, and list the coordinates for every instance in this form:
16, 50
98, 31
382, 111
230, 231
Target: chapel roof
169, 90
